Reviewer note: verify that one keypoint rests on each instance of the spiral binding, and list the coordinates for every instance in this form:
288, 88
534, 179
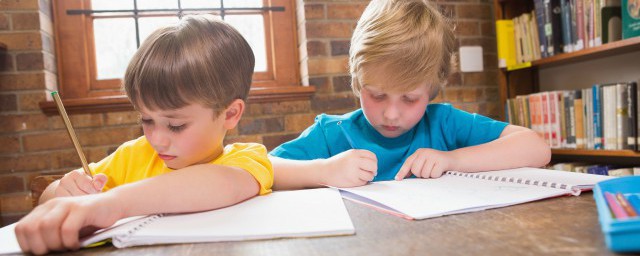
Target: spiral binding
483, 176
147, 221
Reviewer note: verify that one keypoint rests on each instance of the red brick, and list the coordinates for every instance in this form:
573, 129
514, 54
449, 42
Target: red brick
480, 78
31, 101
105, 136
4, 22
329, 30
336, 65
321, 84
285, 107
242, 139
298, 122
474, 11
78, 121
467, 28
488, 43
272, 141
488, 28
261, 125
10, 144
8, 102
340, 47
118, 118
313, 11
11, 184
19, 5
29, 61
345, 11
324, 103
455, 79
11, 82
16, 203
47, 141
342, 84
452, 94
22, 41
471, 94
15, 123
316, 48
447, 10
6, 62
26, 21
24, 163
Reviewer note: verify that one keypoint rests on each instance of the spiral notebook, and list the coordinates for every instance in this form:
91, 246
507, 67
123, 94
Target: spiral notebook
457, 192
302, 213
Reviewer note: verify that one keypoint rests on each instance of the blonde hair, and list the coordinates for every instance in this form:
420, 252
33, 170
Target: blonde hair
409, 38
198, 60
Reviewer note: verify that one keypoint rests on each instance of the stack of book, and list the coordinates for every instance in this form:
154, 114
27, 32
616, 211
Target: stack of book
604, 116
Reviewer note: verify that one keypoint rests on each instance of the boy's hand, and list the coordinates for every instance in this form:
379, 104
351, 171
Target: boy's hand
56, 224
351, 168
426, 163
77, 183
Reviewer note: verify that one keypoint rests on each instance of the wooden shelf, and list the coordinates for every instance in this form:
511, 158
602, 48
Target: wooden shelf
586, 152
605, 50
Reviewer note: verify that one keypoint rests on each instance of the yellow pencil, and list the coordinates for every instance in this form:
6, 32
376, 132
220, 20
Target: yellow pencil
72, 134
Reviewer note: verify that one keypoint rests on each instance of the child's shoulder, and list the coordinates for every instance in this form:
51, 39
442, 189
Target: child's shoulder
244, 146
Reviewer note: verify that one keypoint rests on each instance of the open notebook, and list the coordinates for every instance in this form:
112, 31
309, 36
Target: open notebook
457, 192
302, 213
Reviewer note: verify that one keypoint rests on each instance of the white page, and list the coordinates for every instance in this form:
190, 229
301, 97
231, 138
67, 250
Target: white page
302, 213
426, 198
580, 180
8, 242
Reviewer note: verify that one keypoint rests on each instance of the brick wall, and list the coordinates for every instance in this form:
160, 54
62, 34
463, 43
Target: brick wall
33, 144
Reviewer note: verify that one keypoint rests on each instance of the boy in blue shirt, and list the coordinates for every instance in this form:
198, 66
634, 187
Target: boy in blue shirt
401, 53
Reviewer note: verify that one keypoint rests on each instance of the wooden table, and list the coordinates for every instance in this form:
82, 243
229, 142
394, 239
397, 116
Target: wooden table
559, 226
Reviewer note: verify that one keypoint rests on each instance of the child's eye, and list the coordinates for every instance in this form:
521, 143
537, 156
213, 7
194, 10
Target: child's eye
409, 100
378, 96
177, 128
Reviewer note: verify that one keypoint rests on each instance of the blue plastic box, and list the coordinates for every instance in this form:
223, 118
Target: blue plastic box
620, 235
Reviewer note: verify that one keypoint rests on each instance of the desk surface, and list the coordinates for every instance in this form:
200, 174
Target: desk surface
566, 225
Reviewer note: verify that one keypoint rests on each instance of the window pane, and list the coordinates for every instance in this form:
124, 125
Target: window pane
156, 4
243, 3
115, 41
252, 28
200, 3
148, 25
111, 5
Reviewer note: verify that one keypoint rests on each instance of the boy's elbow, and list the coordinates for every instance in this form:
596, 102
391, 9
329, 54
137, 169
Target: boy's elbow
542, 149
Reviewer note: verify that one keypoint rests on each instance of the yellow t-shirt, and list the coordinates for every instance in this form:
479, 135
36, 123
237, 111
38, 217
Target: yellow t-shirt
136, 160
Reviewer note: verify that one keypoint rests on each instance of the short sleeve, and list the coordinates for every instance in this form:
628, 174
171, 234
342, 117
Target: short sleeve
310, 145
468, 129
251, 157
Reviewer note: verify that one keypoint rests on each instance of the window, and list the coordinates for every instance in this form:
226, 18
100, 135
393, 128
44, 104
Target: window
94, 44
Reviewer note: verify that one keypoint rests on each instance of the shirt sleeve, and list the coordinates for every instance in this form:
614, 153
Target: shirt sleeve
471, 129
112, 167
251, 157
310, 145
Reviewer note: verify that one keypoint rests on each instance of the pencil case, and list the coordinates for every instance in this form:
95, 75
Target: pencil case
619, 235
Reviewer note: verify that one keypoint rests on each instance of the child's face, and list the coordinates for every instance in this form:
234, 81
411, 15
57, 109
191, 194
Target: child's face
186, 136
392, 113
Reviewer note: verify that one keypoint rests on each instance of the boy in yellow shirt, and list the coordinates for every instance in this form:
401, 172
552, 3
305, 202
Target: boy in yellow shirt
189, 82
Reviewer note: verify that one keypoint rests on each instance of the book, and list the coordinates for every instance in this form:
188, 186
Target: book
282, 214
630, 19
457, 192
506, 43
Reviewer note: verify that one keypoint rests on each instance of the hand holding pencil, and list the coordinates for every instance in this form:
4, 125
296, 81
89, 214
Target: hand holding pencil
80, 181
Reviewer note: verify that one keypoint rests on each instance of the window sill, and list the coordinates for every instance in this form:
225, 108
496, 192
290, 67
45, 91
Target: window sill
121, 102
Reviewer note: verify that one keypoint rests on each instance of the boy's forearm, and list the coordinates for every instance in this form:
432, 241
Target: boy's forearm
194, 188
48, 192
522, 148
297, 174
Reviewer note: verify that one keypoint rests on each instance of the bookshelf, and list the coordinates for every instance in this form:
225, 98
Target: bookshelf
527, 80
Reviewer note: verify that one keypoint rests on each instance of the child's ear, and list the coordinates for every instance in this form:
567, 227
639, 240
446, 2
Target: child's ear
233, 113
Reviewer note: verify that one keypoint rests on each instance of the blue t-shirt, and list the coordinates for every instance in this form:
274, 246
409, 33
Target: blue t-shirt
443, 127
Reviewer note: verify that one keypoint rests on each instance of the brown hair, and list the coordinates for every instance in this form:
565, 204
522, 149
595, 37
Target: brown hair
197, 60
409, 38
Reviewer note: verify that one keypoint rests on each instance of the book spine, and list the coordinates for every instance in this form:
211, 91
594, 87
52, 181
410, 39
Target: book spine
579, 114
566, 26
506, 43
556, 23
632, 102
479, 175
540, 21
597, 121
622, 116
580, 24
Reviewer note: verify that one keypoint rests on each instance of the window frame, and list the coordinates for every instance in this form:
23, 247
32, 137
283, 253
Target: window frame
84, 94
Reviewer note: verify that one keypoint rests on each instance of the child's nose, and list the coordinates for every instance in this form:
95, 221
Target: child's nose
391, 112
159, 140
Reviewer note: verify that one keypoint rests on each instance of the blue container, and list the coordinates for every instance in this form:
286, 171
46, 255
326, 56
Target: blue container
620, 235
